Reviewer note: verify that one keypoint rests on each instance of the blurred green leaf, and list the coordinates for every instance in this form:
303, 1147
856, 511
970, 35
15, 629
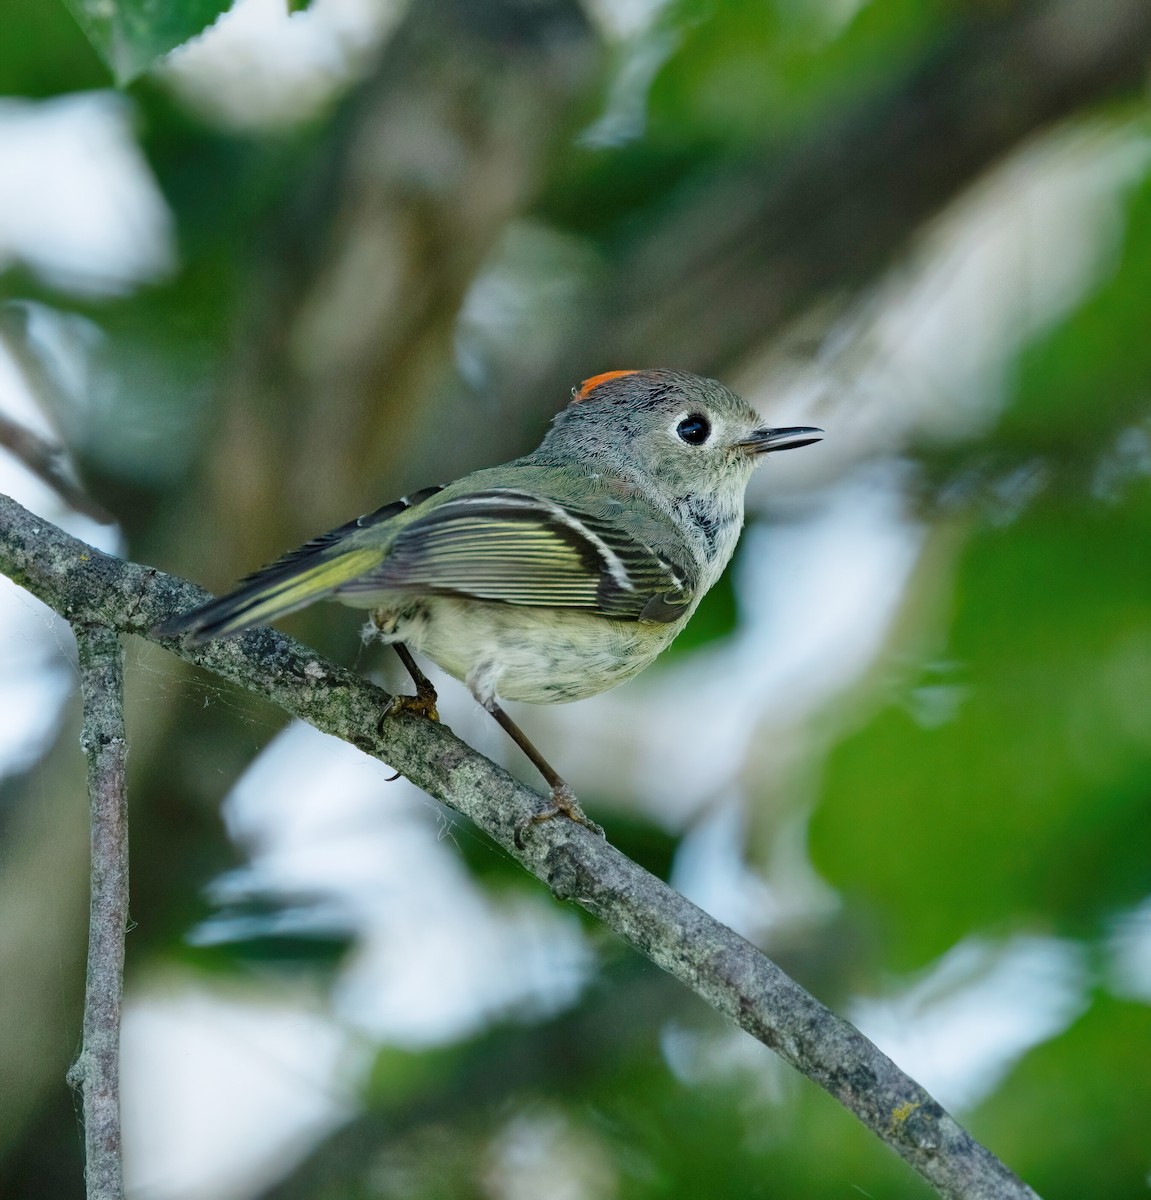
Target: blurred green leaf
1072, 1117
1004, 786
288, 954
131, 35
44, 53
667, 1098
1079, 387
745, 73
1026, 803
738, 78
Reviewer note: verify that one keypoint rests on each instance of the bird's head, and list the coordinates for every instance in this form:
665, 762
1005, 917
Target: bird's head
681, 431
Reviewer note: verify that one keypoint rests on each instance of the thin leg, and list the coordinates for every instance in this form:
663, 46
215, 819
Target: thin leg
563, 801
423, 703
425, 690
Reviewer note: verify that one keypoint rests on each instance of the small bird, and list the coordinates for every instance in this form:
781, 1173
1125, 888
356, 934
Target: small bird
552, 577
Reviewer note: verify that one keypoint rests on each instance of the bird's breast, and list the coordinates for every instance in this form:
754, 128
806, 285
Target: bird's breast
536, 655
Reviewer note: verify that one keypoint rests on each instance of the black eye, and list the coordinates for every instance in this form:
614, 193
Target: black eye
695, 430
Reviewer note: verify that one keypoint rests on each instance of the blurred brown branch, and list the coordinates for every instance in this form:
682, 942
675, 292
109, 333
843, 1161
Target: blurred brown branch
97, 1070
352, 338
47, 457
49, 461
754, 247
91, 588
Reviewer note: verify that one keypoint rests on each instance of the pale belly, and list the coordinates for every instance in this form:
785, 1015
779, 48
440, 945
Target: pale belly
537, 655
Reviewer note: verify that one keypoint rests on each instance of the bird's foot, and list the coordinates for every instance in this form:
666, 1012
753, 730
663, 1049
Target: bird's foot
422, 704
562, 803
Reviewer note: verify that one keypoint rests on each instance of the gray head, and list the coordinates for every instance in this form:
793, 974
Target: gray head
687, 433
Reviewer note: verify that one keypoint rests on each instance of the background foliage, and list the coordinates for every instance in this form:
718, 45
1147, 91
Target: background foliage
905, 746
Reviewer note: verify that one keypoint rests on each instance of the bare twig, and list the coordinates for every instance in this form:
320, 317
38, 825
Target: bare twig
85, 585
97, 1070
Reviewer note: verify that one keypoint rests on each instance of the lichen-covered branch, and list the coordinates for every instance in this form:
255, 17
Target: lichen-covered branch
97, 1070
91, 588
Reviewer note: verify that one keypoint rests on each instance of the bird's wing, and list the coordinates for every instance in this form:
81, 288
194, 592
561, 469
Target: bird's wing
317, 569
517, 547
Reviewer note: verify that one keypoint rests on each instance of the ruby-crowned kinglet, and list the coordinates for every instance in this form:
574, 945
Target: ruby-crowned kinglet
552, 577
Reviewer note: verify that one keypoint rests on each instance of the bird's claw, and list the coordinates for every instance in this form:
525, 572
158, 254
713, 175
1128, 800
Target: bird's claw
422, 704
562, 803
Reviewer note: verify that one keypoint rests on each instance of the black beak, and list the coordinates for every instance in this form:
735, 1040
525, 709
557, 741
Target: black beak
762, 441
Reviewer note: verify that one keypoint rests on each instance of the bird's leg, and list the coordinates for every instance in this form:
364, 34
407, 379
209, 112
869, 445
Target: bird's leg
423, 703
563, 801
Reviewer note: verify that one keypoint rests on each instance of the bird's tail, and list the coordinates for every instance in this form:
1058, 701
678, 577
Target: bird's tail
297, 579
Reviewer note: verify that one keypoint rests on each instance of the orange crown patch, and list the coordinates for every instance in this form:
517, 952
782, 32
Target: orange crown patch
588, 386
